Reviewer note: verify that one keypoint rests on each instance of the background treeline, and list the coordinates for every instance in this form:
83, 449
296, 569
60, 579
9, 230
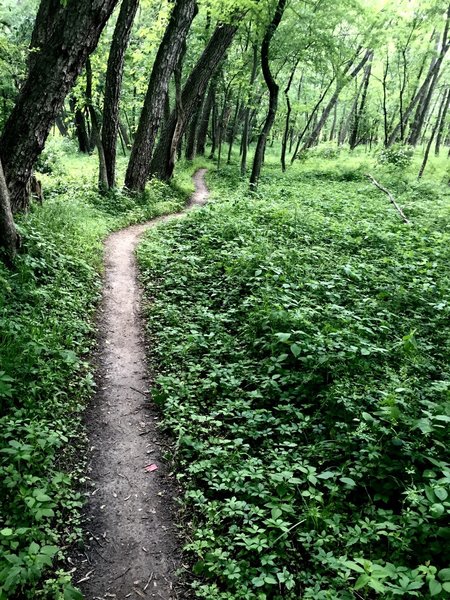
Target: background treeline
163, 79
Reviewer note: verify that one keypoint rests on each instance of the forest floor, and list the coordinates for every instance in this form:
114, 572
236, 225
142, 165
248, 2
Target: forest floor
134, 547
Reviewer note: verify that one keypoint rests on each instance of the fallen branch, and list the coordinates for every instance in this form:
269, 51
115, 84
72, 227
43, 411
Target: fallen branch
391, 197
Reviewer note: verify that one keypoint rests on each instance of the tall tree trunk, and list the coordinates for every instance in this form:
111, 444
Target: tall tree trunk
113, 84
246, 130
309, 120
385, 112
273, 95
96, 136
236, 120
318, 128
202, 132
80, 127
432, 136
422, 93
360, 110
284, 141
442, 124
191, 139
162, 164
9, 238
66, 34
166, 61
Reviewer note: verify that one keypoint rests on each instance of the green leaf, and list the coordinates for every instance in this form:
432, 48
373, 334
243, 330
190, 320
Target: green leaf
7, 532
437, 510
348, 481
71, 593
435, 587
296, 350
362, 581
444, 574
441, 493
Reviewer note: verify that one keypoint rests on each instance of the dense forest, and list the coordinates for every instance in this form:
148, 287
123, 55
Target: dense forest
225, 316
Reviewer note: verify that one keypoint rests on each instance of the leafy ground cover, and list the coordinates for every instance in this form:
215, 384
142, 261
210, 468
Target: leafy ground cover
46, 336
302, 342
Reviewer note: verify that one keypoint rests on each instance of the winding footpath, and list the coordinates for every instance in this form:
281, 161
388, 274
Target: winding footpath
134, 551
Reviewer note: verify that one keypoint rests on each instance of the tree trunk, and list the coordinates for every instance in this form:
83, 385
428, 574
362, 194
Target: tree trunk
442, 124
236, 119
9, 239
96, 136
204, 121
191, 140
309, 120
65, 35
273, 95
288, 118
425, 87
246, 130
385, 112
430, 141
162, 164
113, 84
359, 111
318, 128
166, 61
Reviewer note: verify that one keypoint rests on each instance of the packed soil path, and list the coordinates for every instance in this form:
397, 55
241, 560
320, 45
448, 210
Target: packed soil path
134, 552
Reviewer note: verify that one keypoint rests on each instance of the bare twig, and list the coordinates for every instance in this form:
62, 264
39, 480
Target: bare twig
390, 196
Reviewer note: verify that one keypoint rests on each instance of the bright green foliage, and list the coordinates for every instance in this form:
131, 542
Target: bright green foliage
46, 334
302, 342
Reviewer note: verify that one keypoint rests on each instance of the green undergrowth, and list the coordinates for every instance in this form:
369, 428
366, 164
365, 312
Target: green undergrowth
46, 336
301, 344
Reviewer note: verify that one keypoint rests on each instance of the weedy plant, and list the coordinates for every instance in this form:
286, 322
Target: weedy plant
302, 341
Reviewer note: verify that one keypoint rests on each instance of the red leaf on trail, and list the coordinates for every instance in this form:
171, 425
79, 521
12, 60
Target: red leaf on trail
151, 468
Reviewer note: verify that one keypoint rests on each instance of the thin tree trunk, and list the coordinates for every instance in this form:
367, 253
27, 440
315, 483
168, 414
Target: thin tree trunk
385, 113
246, 130
191, 139
166, 61
442, 124
113, 84
66, 34
9, 238
162, 164
204, 121
310, 119
359, 111
430, 141
318, 128
288, 118
273, 95
237, 117
96, 136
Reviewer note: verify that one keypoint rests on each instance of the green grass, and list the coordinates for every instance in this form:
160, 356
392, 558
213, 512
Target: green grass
302, 343
47, 304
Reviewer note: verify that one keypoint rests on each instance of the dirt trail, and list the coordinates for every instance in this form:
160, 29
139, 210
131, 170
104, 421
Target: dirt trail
134, 552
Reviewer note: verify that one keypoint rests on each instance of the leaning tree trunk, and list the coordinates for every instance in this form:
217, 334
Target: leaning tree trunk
442, 124
318, 128
166, 61
433, 134
9, 238
273, 95
194, 89
113, 84
359, 111
66, 34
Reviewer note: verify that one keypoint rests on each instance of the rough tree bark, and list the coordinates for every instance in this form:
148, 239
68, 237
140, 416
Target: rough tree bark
273, 94
64, 36
166, 61
9, 239
162, 164
113, 84
432, 136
